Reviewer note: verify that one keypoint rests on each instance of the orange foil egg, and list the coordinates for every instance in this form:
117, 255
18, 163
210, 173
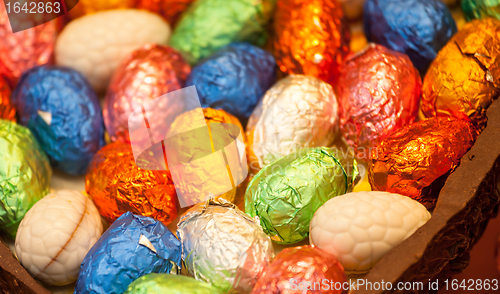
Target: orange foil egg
117, 185
310, 38
7, 110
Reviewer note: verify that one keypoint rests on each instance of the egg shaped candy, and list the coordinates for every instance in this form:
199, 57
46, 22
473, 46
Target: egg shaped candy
171, 284
92, 6
63, 112
481, 8
310, 38
286, 194
359, 228
96, 43
418, 28
297, 112
56, 234
131, 247
147, 73
379, 92
25, 171
7, 110
234, 79
223, 246
304, 269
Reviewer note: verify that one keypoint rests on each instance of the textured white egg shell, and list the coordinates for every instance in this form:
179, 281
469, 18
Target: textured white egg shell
96, 43
56, 234
359, 228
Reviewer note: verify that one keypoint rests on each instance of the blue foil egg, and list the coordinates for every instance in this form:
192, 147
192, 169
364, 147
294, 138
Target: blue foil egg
234, 79
58, 105
419, 28
133, 246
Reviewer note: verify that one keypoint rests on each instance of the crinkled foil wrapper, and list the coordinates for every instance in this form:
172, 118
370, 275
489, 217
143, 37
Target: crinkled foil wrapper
464, 79
61, 109
146, 74
379, 92
209, 25
117, 185
7, 110
23, 50
171, 284
478, 9
297, 112
24, 174
234, 79
306, 265
414, 27
286, 194
131, 247
416, 160
310, 37
223, 246
92, 6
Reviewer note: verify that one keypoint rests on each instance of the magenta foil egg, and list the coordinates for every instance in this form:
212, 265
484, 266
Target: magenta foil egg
147, 73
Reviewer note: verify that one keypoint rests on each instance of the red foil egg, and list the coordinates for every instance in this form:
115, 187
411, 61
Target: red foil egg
7, 110
303, 270
25, 49
379, 92
147, 73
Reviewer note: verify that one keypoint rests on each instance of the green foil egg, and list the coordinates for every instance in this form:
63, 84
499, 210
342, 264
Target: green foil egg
479, 9
171, 284
24, 174
209, 25
286, 193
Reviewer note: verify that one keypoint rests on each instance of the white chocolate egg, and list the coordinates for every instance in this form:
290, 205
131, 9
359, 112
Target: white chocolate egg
360, 227
96, 43
56, 234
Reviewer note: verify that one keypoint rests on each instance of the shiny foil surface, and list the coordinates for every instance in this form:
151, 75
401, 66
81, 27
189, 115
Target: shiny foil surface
286, 194
169, 9
91, 6
234, 79
24, 174
416, 160
379, 92
418, 28
481, 9
58, 105
131, 247
310, 37
7, 109
464, 79
223, 246
117, 185
171, 284
23, 50
209, 25
306, 265
145, 74
297, 112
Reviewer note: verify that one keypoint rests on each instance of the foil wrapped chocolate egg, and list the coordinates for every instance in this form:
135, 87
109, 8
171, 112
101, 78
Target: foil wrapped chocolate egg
297, 112
360, 228
286, 193
117, 185
145, 74
310, 37
223, 246
25, 49
234, 79
418, 28
416, 160
133, 246
96, 43
464, 79
92, 6
481, 9
7, 109
58, 105
209, 25
379, 92
172, 284
25, 171
306, 269
56, 234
